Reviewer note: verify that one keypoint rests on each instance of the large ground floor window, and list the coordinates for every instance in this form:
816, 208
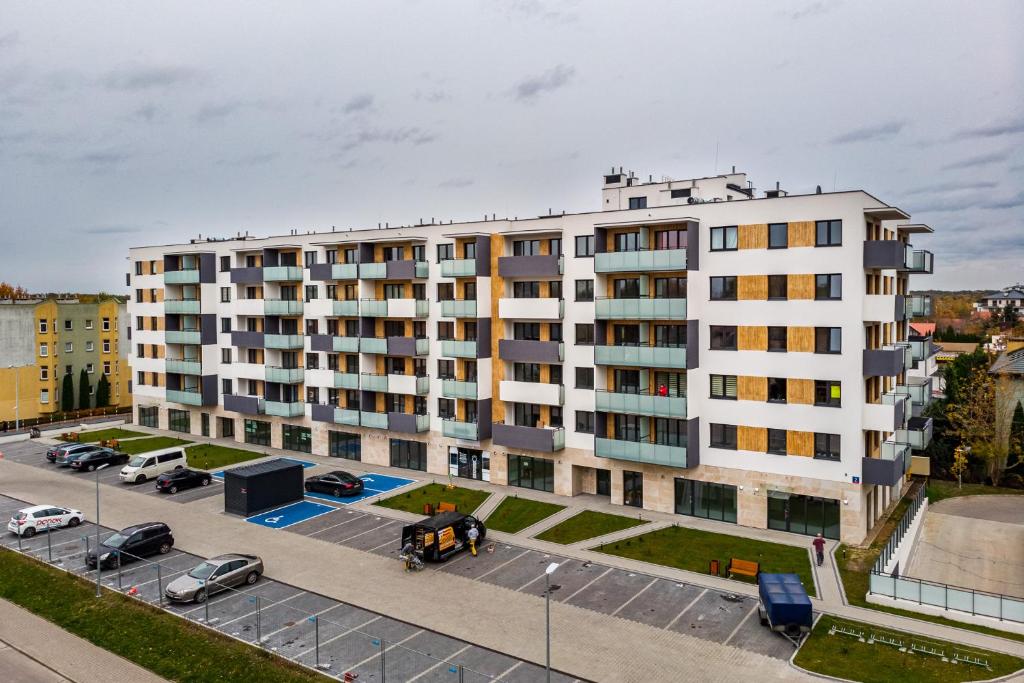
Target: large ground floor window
344, 445
531, 473
149, 416
469, 463
412, 455
178, 420
257, 432
295, 438
706, 499
225, 427
803, 514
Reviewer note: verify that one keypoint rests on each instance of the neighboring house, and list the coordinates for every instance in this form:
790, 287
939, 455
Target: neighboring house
993, 303
1009, 369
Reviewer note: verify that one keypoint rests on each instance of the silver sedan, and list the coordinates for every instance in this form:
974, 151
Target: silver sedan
214, 575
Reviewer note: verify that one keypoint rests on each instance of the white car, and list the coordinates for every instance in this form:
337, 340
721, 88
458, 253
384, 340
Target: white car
27, 521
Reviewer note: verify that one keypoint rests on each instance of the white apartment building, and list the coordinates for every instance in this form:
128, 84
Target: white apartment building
690, 348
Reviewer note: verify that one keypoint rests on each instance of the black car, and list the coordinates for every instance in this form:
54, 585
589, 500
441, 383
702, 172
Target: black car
131, 543
178, 480
336, 483
105, 456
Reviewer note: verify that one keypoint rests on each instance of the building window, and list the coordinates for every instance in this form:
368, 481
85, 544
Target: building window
106, 367
295, 438
68, 347
776, 389
89, 346
225, 264
88, 324
257, 432
777, 338
828, 340
44, 395
723, 288
778, 287
584, 335
828, 233
828, 286
225, 325
178, 420
723, 386
89, 368
42, 326
777, 441
723, 436
584, 245
446, 408
411, 455
584, 290
584, 422
526, 248
638, 202
44, 350
723, 238
826, 446
827, 393
705, 499
445, 252
344, 445
529, 289
138, 267
149, 416
140, 379
225, 294
778, 235
680, 194
68, 325
105, 324
531, 473
106, 346
584, 378
723, 337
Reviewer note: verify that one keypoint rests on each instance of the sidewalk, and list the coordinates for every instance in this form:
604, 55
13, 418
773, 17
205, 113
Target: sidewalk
49, 653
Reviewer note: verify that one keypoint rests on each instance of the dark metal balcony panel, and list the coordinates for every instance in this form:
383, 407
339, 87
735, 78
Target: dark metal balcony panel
692, 344
248, 405
208, 268
888, 254
247, 276
403, 422
322, 413
208, 328
529, 266
321, 342
401, 346
247, 340
526, 438
900, 314
401, 270
483, 337
208, 385
883, 362
692, 442
484, 411
320, 272
692, 247
523, 351
483, 257
881, 472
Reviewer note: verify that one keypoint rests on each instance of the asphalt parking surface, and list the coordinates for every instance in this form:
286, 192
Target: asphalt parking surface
288, 620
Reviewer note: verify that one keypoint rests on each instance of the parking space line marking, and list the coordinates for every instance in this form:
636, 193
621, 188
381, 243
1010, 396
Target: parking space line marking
320, 531
742, 621
692, 603
340, 635
488, 573
380, 546
442, 662
388, 648
273, 604
55, 545
507, 671
637, 595
315, 614
527, 584
163, 578
587, 585
363, 533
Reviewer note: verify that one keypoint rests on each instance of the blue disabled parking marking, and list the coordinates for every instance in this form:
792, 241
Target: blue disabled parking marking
373, 485
288, 515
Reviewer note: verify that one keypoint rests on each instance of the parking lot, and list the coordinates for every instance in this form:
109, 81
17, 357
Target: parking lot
300, 625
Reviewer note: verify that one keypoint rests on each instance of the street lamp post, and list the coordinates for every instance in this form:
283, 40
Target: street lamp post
547, 613
99, 569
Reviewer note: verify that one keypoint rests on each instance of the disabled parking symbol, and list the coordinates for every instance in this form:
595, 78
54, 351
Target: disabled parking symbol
272, 520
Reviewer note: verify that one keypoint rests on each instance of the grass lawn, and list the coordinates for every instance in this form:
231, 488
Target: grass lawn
103, 434
587, 524
467, 500
846, 657
136, 446
941, 490
515, 514
165, 644
206, 456
693, 550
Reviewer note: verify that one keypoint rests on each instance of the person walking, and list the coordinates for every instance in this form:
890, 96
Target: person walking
819, 547
472, 535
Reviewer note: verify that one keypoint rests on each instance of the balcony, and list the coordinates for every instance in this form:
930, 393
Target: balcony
282, 307
247, 405
887, 415
184, 366
247, 340
889, 468
345, 308
394, 270
282, 274
373, 420
408, 423
921, 261
333, 271
467, 431
918, 391
646, 404
181, 277
645, 451
921, 348
283, 341
531, 351
458, 308
641, 356
641, 308
373, 344
328, 343
458, 348
285, 375
408, 384
371, 382
395, 308
247, 276
542, 439
344, 416
530, 266
885, 254
532, 392
346, 380
332, 414
252, 308
461, 267
918, 305
918, 433
285, 408
189, 397
531, 309
885, 362
396, 346
181, 306
455, 388
640, 261
188, 336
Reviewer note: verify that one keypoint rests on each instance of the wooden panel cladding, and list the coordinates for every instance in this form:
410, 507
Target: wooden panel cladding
800, 286
751, 388
498, 329
800, 391
751, 438
801, 234
753, 236
752, 338
800, 339
800, 443
752, 287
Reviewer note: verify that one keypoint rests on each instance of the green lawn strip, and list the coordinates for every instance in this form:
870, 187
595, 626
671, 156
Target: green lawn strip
163, 643
693, 550
467, 500
845, 656
515, 514
104, 434
136, 446
587, 524
208, 456
941, 490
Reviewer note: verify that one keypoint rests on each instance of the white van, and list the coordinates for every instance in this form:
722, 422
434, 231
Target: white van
151, 465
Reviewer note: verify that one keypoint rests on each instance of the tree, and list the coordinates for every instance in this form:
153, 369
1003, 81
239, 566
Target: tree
84, 400
959, 467
67, 393
103, 392
1009, 316
9, 291
974, 421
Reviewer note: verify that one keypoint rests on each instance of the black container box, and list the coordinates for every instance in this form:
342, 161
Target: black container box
251, 489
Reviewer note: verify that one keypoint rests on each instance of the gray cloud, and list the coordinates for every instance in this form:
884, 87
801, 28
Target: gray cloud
146, 112
111, 230
103, 158
358, 103
9, 39
251, 159
971, 202
981, 160
812, 9
537, 10
529, 89
133, 78
212, 112
433, 96
991, 131
413, 135
953, 186
876, 132
456, 182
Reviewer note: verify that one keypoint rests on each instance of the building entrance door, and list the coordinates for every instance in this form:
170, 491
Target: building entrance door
604, 483
633, 489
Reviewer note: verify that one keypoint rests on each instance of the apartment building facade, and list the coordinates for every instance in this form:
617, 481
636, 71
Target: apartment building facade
689, 348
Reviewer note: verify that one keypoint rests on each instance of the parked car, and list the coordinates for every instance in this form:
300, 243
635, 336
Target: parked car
131, 543
214, 575
27, 521
66, 456
52, 451
103, 456
336, 483
436, 538
151, 465
178, 480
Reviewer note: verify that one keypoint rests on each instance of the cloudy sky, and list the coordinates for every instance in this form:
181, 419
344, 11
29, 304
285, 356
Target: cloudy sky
136, 123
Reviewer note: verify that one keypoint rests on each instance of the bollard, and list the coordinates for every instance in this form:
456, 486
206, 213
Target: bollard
49, 548
460, 674
86, 548
206, 604
159, 587
117, 558
259, 638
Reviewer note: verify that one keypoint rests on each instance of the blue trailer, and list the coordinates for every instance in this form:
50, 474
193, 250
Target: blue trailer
784, 606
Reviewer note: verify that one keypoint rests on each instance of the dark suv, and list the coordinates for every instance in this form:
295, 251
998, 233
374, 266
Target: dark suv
104, 456
132, 543
65, 453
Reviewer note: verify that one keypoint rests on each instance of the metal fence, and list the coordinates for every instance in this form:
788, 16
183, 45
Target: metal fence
901, 529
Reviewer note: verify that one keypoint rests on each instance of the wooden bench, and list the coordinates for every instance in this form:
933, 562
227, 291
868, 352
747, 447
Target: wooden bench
743, 568
447, 507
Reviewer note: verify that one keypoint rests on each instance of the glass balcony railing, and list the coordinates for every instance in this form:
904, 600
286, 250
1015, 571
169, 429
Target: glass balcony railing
183, 336
373, 271
458, 308
189, 397
373, 420
283, 341
346, 380
454, 429
918, 433
918, 305
895, 450
282, 307
456, 348
346, 309
182, 277
921, 261
344, 416
454, 388
373, 345
462, 267
641, 308
640, 261
422, 269
184, 366
181, 306
641, 404
921, 348
284, 375
344, 271
284, 408
370, 382
641, 356
641, 451
282, 273
345, 344
394, 308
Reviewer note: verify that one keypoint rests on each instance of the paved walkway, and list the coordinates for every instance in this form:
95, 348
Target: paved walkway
32, 650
